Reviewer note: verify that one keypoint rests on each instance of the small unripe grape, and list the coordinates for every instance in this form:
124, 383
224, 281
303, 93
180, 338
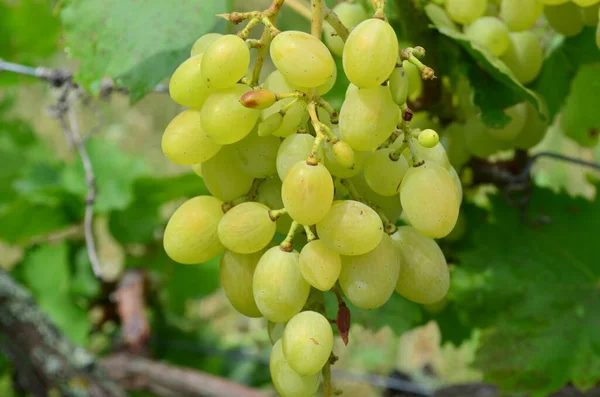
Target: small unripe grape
258, 99
185, 142
307, 342
236, 274
291, 120
343, 154
320, 265
429, 138
269, 125
399, 85
187, 86
225, 61
287, 382
246, 228
204, 42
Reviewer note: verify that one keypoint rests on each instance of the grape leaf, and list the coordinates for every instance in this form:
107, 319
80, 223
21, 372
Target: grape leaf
21, 220
580, 119
536, 290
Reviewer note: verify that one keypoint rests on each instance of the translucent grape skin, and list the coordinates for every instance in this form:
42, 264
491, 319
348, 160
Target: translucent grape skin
430, 200
524, 56
384, 174
294, 148
307, 192
350, 228
490, 32
246, 228
465, 11
350, 14
320, 265
302, 58
223, 177
518, 115
424, 276
566, 18
256, 155
191, 233
369, 280
185, 142
187, 86
307, 342
225, 61
370, 53
429, 138
280, 291
203, 43
520, 15
286, 381
236, 274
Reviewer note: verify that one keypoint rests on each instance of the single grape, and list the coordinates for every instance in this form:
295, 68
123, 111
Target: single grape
489, 32
370, 53
590, 14
430, 200
534, 129
457, 184
291, 120
307, 342
224, 178
246, 228
320, 265
399, 85
269, 125
204, 42
336, 169
565, 19
187, 86
294, 148
478, 141
455, 144
237, 273
256, 155
343, 154
225, 61
390, 205
465, 11
520, 15
191, 233
369, 280
307, 192
185, 142
275, 330
585, 3
429, 138
524, 56
269, 193
225, 119
424, 276
280, 291
350, 14
518, 114
302, 58
258, 99
415, 82
436, 154
351, 228
322, 89
384, 173
287, 382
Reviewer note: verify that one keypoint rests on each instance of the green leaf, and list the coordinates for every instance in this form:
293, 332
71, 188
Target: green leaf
84, 282
21, 220
536, 289
581, 119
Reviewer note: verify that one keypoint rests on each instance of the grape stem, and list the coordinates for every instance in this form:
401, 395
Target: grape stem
327, 385
309, 234
328, 108
295, 94
287, 245
246, 31
265, 40
427, 73
379, 6
276, 214
284, 109
417, 162
395, 155
300, 7
250, 196
323, 132
333, 19
316, 27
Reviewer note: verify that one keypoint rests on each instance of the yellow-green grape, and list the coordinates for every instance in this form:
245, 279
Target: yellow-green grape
524, 56
237, 273
534, 129
225, 119
429, 138
287, 382
415, 82
223, 176
489, 32
553, 2
478, 141
384, 173
185, 142
302, 58
368, 117
350, 14
320, 265
225, 61
307, 192
520, 15
187, 86
585, 3
246, 228
204, 42
430, 200
424, 276
465, 11
307, 342
291, 120
256, 155
457, 184
343, 154
369, 280
322, 89
399, 85
269, 193
390, 205
351, 228
565, 19
590, 14
294, 148
280, 291
197, 168
191, 233
269, 125
258, 99
339, 170
275, 330
370, 53
518, 114
436, 154
455, 144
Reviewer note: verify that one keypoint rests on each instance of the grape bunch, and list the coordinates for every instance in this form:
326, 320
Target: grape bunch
282, 165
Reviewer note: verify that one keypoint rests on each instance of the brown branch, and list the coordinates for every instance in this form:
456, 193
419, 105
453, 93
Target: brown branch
131, 306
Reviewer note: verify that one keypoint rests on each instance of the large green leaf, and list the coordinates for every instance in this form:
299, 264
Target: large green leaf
21, 220
581, 119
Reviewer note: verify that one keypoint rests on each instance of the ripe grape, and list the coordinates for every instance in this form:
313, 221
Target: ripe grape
430, 200
339, 170
368, 117
524, 56
270, 124
223, 176
350, 228
429, 138
246, 228
225, 61
390, 205
237, 272
565, 19
280, 291
185, 142
275, 330
518, 114
307, 342
302, 58
424, 276
204, 42
384, 174
534, 129
191, 233
520, 15
399, 85
436, 154
287, 382
343, 154
307, 192
465, 11
187, 86
269, 193
350, 14
293, 149
322, 89
490, 32
256, 155
320, 265
370, 53
197, 168
369, 280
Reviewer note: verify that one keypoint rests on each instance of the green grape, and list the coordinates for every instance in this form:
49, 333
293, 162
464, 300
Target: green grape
585, 3
224, 178
430, 200
520, 15
384, 174
436, 154
269, 125
322, 89
456, 145
307, 342
534, 129
307, 192
275, 330
187, 86
429, 138
204, 42
369, 280
185, 142
343, 154
302, 58
350, 14
415, 82
191, 233
457, 184
291, 120
478, 141
280, 291
269, 193
399, 85
518, 114
246, 228
590, 14
197, 168
256, 155
286, 381
294, 148
465, 11
225, 119
336, 169
424, 276
258, 99
320, 265
351, 228
237, 272
370, 53
553, 2
524, 56
390, 205
489, 32
225, 61
367, 118
565, 19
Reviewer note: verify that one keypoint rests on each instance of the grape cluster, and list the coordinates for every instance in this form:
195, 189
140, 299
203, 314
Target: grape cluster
276, 157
